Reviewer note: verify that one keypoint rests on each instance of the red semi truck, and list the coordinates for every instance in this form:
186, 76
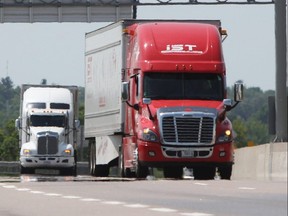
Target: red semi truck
156, 97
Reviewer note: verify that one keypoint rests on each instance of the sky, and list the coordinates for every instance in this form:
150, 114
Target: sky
55, 51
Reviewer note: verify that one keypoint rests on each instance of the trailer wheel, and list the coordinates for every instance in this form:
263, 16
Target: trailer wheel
92, 158
71, 171
204, 173
173, 172
102, 170
121, 163
26, 170
225, 172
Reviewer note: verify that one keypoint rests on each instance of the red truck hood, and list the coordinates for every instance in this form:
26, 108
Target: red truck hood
156, 104
214, 107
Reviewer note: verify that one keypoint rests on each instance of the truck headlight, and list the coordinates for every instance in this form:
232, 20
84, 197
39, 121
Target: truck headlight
67, 152
26, 152
148, 135
227, 136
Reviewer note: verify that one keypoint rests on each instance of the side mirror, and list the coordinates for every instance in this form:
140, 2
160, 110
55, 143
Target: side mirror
147, 101
227, 104
17, 124
77, 124
238, 91
125, 91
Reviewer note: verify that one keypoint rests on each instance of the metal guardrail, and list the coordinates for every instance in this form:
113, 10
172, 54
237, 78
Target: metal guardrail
13, 168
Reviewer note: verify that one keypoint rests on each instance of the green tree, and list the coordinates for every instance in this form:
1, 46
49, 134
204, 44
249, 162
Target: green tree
9, 101
240, 133
9, 147
251, 114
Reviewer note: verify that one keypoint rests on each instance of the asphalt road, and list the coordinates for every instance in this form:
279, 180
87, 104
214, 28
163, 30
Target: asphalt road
87, 196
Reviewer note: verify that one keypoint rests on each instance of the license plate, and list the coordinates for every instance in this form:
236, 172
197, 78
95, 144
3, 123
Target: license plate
187, 153
47, 162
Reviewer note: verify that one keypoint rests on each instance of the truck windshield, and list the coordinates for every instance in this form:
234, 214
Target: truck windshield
47, 121
173, 86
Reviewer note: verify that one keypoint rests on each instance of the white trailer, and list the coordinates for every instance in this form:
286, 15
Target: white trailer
48, 128
103, 105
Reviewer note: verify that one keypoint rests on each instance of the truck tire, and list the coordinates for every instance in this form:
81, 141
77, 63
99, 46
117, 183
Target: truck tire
71, 171
204, 173
102, 170
225, 172
173, 172
122, 171
26, 170
140, 170
92, 159
96, 170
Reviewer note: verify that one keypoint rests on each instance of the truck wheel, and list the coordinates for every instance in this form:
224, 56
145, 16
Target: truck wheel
26, 170
225, 172
140, 170
121, 163
173, 172
92, 159
102, 170
204, 173
71, 171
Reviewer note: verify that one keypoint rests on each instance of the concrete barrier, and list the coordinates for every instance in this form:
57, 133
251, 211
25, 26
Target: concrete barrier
263, 162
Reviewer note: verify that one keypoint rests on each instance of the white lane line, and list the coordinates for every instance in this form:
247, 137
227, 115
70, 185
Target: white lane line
163, 210
71, 197
90, 200
23, 189
196, 214
136, 205
37, 192
9, 186
246, 188
113, 202
52, 194
202, 184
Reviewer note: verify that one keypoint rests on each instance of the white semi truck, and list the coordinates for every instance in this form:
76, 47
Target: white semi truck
48, 125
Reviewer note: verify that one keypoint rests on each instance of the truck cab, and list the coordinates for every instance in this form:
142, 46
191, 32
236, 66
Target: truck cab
177, 100
47, 130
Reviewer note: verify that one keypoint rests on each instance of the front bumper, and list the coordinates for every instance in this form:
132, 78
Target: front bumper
155, 155
47, 161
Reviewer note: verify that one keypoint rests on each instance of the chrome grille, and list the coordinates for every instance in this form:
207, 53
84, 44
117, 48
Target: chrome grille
47, 145
187, 129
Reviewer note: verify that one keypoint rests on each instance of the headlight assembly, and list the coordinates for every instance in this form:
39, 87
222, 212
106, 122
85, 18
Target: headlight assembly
149, 135
225, 137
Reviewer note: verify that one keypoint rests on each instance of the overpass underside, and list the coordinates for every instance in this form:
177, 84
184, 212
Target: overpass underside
30, 11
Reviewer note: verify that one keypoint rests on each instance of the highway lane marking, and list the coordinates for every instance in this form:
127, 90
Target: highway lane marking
135, 205
9, 186
202, 184
246, 188
163, 210
71, 197
23, 189
90, 200
196, 214
37, 192
52, 194
113, 202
